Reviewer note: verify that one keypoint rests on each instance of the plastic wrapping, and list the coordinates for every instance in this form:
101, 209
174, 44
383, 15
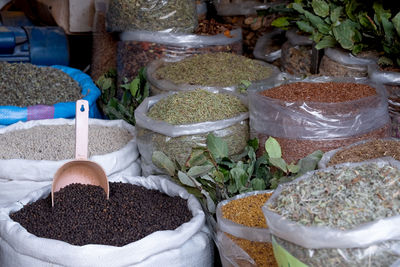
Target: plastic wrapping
201, 9
296, 54
268, 46
340, 63
152, 15
363, 245
160, 86
177, 141
232, 254
188, 245
17, 174
324, 162
138, 48
235, 8
13, 114
309, 126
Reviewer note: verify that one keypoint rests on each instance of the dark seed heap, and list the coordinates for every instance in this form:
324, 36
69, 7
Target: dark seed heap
24, 84
82, 215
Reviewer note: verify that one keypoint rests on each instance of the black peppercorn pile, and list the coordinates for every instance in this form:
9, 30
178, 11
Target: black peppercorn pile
82, 215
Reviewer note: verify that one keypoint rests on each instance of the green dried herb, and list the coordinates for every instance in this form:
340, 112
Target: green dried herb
174, 15
24, 84
214, 69
196, 106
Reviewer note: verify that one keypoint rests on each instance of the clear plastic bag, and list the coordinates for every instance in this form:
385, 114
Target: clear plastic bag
376, 243
296, 54
268, 46
340, 63
242, 7
254, 240
201, 9
152, 15
137, 49
160, 86
177, 141
302, 127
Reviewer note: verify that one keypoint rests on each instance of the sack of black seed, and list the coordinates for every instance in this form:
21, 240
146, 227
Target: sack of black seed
337, 62
29, 92
185, 244
220, 71
33, 151
347, 215
175, 123
136, 49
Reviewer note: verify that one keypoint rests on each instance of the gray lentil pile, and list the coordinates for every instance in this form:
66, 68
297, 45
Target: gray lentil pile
214, 69
24, 84
57, 142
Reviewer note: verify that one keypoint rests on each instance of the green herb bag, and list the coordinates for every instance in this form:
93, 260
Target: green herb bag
177, 141
160, 86
152, 15
331, 228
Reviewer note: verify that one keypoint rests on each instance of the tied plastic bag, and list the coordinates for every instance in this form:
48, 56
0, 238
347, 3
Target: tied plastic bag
340, 63
374, 243
152, 15
12, 114
18, 177
160, 86
137, 49
236, 241
302, 127
188, 245
177, 141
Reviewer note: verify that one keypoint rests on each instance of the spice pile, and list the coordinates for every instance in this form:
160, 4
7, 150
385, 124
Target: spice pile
213, 69
24, 84
296, 59
82, 215
247, 212
57, 142
368, 150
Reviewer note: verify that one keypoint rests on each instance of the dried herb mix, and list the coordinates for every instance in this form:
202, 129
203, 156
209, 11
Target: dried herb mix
82, 214
24, 84
213, 69
196, 106
175, 15
368, 150
57, 142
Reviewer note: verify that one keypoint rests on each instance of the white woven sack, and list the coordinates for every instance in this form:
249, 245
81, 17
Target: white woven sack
188, 245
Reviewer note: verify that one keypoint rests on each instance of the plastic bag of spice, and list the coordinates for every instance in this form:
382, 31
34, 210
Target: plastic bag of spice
268, 46
151, 15
136, 49
244, 244
12, 114
317, 113
340, 63
177, 141
296, 54
221, 76
362, 151
188, 245
354, 220
43, 146
391, 81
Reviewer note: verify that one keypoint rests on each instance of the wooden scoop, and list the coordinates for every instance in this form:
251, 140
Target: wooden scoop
81, 170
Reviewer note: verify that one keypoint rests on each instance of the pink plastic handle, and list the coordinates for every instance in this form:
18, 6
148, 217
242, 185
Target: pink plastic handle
81, 129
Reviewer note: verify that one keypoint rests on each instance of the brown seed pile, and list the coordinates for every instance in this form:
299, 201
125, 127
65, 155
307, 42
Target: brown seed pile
369, 150
247, 211
296, 59
329, 92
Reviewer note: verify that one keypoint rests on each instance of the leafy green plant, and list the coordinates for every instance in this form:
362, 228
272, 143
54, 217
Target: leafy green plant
134, 92
212, 176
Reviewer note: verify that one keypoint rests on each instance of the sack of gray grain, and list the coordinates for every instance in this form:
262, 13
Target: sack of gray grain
168, 243
337, 62
346, 215
317, 113
217, 71
33, 151
177, 122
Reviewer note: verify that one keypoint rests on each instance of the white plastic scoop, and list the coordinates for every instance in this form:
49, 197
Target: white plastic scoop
81, 170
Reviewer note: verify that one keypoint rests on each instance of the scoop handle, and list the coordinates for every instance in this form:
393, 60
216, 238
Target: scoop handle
81, 129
